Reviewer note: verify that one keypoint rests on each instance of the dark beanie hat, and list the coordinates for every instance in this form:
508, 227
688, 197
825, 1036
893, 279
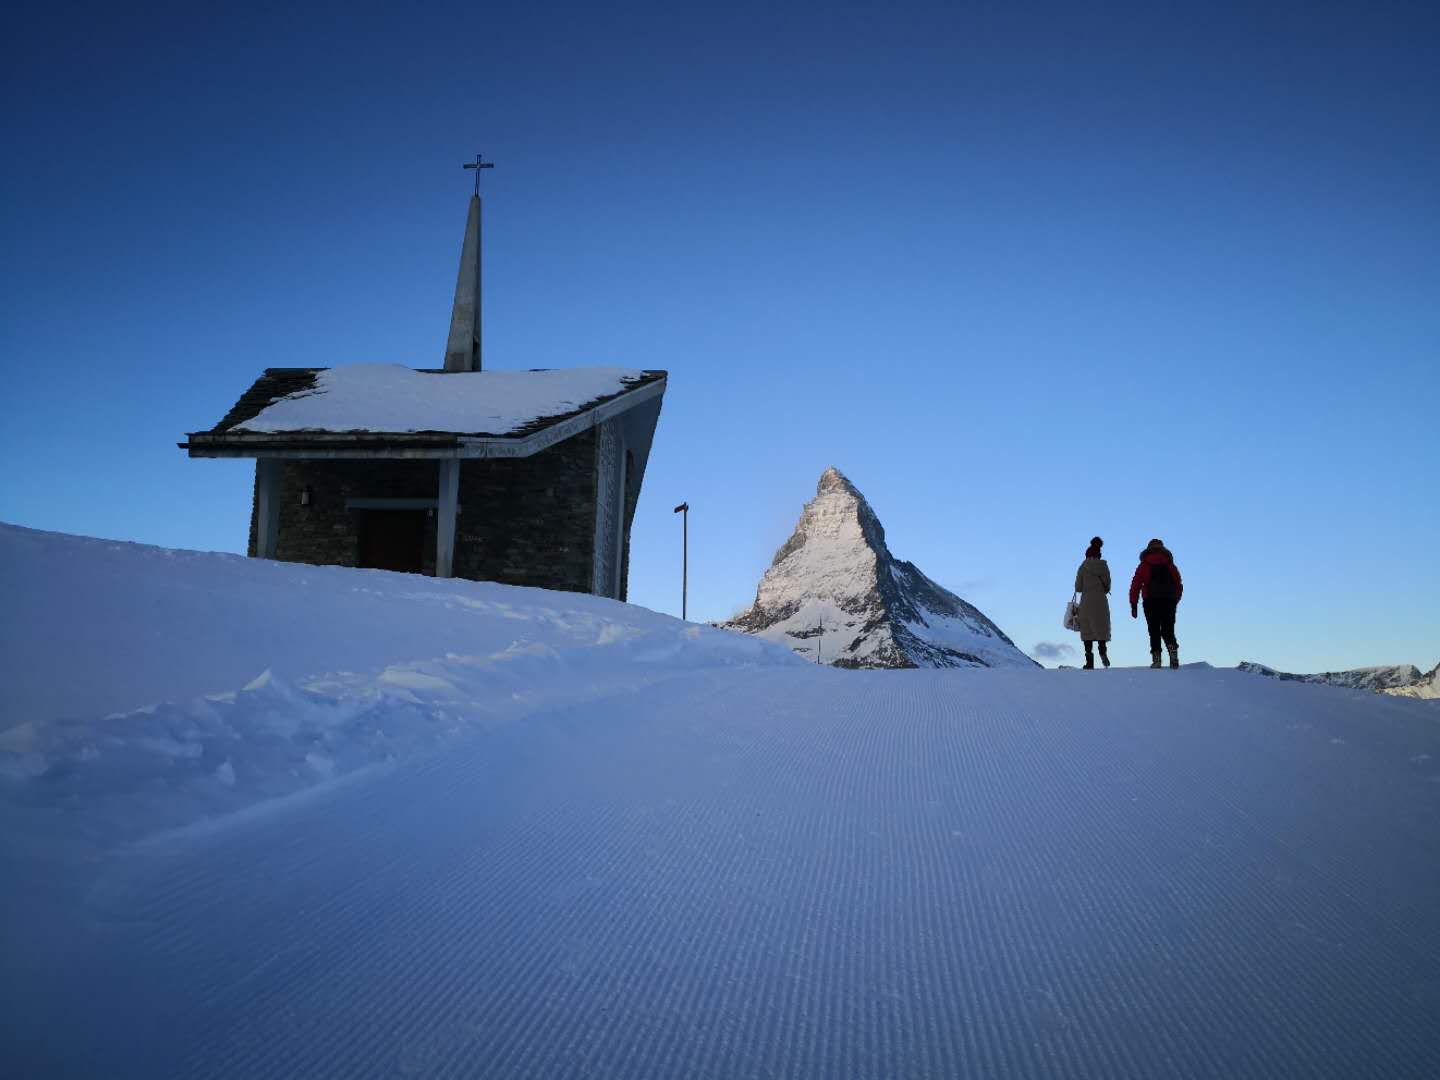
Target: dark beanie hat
1154, 545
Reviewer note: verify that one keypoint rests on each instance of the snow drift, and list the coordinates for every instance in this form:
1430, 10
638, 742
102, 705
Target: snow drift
139, 625
157, 687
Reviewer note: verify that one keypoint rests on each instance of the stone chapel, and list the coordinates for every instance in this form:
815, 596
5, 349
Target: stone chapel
521, 477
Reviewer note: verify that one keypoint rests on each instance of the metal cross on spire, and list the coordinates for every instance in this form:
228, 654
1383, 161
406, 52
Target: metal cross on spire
477, 165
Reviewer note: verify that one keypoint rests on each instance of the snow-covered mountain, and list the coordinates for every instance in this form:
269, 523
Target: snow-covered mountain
1404, 680
835, 593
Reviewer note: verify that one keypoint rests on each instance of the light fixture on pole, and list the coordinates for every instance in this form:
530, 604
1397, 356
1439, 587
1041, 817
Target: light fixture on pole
684, 511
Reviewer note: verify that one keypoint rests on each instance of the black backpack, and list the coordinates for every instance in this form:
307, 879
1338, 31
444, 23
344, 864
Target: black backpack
1162, 582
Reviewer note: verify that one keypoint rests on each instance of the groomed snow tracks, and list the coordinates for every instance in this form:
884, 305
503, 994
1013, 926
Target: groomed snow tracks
805, 873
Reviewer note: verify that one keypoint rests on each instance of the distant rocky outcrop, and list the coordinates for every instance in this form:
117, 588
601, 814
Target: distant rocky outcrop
1402, 680
1427, 687
835, 593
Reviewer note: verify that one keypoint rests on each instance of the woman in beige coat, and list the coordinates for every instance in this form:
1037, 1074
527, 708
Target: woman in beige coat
1092, 582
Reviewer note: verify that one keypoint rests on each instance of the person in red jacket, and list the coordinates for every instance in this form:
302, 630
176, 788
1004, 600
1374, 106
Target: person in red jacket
1157, 578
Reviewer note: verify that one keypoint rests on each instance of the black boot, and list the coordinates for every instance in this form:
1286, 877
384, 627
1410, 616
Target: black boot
1104, 655
1155, 658
1174, 656
1089, 656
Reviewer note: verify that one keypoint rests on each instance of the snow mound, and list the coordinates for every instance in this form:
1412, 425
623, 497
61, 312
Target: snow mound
143, 625
154, 688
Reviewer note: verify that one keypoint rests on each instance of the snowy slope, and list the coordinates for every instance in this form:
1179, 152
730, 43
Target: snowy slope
1385, 679
622, 846
194, 684
211, 623
835, 593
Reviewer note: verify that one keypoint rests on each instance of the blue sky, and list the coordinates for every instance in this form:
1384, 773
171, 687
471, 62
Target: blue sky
1024, 272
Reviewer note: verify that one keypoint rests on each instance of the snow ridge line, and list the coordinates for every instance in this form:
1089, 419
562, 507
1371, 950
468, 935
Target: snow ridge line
178, 764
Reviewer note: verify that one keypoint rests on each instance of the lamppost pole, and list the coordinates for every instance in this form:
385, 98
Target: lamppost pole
684, 511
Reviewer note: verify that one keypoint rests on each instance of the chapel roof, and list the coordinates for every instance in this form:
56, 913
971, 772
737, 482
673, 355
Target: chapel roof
380, 406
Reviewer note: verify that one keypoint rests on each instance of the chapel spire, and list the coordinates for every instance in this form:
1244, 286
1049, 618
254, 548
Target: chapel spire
462, 350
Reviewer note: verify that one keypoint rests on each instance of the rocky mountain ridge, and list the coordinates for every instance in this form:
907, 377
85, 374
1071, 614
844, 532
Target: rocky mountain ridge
1401, 680
1427, 687
835, 593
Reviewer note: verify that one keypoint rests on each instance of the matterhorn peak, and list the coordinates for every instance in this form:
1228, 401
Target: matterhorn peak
835, 593
832, 479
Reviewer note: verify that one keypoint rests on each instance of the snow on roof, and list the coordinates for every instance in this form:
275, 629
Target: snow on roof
394, 398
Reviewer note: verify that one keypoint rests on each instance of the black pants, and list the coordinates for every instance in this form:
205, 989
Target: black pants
1160, 621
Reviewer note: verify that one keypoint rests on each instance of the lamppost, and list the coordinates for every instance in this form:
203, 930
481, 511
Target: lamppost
684, 511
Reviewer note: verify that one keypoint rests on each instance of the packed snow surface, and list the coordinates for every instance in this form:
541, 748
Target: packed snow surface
582, 839
393, 398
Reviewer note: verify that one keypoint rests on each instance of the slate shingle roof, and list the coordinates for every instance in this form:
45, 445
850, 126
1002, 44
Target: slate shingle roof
278, 383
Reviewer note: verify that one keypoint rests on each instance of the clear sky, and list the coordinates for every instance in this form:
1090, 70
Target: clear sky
1024, 272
